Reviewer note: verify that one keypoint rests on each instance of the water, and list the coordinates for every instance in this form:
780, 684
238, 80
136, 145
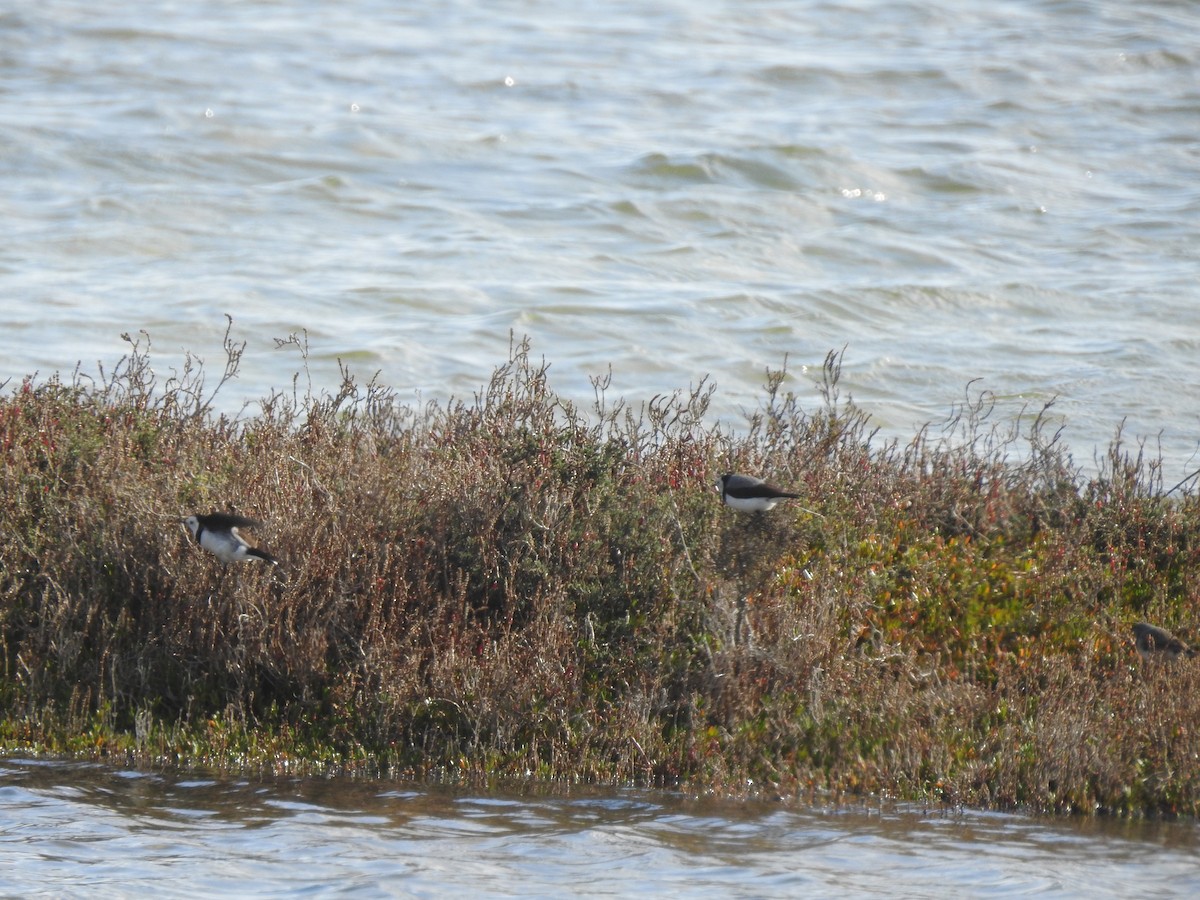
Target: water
1001, 191
75, 829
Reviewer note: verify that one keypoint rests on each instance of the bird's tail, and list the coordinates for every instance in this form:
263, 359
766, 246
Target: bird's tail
262, 554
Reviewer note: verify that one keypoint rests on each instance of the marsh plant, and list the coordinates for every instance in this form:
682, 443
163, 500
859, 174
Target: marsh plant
511, 586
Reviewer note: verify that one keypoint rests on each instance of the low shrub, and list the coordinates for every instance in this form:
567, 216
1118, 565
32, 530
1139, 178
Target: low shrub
509, 586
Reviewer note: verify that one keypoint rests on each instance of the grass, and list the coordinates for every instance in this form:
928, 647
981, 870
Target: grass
511, 587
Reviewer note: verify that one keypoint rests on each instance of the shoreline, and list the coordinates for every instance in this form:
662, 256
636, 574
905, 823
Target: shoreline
512, 588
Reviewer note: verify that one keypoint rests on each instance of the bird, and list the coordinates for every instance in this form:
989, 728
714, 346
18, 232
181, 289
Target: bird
218, 534
1156, 644
746, 493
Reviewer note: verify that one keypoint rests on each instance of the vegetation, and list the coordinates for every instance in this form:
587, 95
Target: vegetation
511, 587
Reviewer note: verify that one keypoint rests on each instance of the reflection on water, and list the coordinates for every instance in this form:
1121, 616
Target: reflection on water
75, 827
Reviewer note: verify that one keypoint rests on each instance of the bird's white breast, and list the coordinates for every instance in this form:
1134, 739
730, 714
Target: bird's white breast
751, 504
228, 546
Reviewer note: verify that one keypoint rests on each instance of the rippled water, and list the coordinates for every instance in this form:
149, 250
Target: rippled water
71, 828
1003, 191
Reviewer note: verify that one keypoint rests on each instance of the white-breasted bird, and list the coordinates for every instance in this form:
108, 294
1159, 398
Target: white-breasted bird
218, 534
746, 493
